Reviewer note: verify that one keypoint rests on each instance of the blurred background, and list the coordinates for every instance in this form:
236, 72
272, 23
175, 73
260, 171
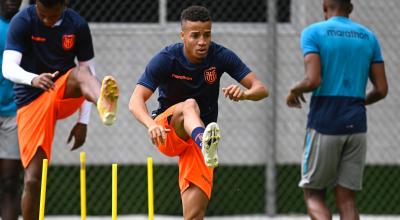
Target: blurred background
262, 142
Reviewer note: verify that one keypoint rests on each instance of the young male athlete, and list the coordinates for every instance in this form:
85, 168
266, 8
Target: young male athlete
42, 43
339, 56
188, 77
10, 165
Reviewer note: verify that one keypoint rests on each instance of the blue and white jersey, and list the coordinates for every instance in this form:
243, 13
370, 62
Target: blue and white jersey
7, 104
347, 50
45, 49
177, 79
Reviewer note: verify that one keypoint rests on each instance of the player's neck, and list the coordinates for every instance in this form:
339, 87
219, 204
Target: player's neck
337, 13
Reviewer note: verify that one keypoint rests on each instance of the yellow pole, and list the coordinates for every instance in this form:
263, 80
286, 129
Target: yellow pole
83, 185
114, 192
43, 189
150, 187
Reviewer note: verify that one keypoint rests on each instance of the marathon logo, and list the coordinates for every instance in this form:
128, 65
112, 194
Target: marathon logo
348, 34
182, 77
38, 39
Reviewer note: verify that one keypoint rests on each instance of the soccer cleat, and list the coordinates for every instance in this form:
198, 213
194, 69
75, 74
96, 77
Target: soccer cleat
210, 142
107, 102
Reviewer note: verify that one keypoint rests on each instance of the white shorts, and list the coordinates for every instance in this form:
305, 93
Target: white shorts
9, 138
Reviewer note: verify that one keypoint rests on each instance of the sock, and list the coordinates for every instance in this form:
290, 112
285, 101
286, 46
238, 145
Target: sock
197, 135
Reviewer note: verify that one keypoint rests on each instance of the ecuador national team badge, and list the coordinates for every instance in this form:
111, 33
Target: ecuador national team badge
68, 41
210, 75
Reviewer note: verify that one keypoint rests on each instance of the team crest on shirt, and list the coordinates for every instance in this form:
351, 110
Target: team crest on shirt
210, 75
68, 41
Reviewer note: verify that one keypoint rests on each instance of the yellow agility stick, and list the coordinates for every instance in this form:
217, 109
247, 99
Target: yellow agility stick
83, 185
114, 192
43, 189
150, 187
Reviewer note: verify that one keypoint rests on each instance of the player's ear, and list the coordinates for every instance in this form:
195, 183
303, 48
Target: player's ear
182, 34
350, 8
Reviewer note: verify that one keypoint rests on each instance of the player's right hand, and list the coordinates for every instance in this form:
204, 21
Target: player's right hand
294, 100
45, 81
157, 134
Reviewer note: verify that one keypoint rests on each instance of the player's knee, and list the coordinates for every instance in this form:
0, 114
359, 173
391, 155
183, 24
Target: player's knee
194, 214
73, 78
191, 104
10, 184
32, 185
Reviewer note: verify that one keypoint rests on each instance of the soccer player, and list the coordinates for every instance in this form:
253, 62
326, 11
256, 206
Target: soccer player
42, 43
10, 165
339, 57
188, 77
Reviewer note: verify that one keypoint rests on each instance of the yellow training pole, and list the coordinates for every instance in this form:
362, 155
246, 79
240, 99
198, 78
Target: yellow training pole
150, 187
43, 189
114, 192
83, 185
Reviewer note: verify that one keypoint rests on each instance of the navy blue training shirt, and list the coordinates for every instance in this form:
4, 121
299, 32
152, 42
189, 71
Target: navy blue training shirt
177, 79
46, 50
347, 50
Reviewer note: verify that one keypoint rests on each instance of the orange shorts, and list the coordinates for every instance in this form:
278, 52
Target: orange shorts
192, 168
36, 121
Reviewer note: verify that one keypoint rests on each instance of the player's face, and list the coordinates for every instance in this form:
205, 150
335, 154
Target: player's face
9, 8
49, 16
196, 37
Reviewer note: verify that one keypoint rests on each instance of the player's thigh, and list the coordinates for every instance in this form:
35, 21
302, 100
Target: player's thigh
177, 122
72, 89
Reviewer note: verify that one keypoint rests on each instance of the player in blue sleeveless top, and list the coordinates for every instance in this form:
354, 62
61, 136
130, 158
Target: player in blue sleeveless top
42, 44
10, 164
187, 77
339, 55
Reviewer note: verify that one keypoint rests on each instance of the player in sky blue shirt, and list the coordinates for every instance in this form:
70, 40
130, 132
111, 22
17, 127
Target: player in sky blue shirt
339, 56
187, 76
10, 164
7, 104
347, 50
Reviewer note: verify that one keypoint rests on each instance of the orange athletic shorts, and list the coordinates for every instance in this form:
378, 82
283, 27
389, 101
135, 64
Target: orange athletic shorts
36, 121
192, 168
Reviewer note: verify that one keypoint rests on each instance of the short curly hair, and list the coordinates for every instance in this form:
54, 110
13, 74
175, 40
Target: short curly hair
195, 13
52, 3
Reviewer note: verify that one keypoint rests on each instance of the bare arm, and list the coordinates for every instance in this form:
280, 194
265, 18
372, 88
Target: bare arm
255, 89
311, 81
377, 77
137, 105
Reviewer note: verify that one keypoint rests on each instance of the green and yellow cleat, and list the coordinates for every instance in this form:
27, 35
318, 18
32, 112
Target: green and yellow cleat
210, 142
107, 102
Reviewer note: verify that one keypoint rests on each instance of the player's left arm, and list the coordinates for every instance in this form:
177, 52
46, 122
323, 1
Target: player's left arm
254, 90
